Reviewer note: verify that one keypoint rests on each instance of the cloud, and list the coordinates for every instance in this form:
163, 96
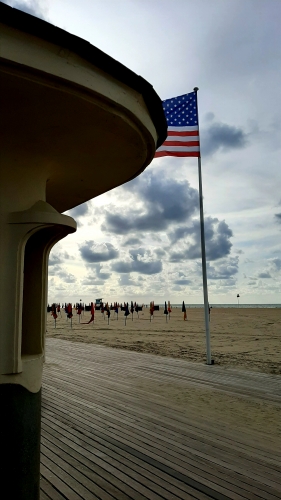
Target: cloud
224, 270
276, 263
183, 282
278, 218
248, 261
34, 7
140, 262
159, 252
137, 266
79, 211
58, 272
93, 281
264, 275
222, 136
93, 253
165, 201
100, 274
132, 241
54, 270
126, 280
209, 117
217, 240
56, 259
66, 277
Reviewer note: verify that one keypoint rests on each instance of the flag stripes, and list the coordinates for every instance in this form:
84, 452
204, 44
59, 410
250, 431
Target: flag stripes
183, 130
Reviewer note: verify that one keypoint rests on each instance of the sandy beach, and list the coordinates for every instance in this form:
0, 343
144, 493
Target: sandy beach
245, 338
248, 339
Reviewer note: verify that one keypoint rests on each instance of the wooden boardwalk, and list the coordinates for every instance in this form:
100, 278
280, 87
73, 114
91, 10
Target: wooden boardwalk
104, 436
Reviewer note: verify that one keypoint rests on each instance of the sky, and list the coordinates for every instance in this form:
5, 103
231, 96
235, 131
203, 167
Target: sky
141, 241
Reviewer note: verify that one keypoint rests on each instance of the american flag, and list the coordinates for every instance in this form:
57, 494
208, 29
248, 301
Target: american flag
183, 130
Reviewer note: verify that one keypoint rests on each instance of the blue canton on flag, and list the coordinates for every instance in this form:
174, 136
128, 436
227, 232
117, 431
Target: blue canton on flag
183, 130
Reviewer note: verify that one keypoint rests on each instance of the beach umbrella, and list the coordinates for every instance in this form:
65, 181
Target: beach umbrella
69, 313
79, 310
92, 319
184, 311
116, 310
54, 314
92, 313
151, 309
127, 312
107, 312
166, 310
132, 309
169, 308
102, 309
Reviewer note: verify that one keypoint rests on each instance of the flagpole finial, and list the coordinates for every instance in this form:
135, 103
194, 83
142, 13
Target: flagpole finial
196, 89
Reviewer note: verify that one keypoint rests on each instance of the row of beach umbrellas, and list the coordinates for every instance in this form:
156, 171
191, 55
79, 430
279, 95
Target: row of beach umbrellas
105, 309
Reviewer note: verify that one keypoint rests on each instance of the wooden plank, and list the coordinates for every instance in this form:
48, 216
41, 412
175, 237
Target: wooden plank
240, 458
87, 458
138, 439
43, 496
175, 416
61, 486
60, 469
150, 472
48, 490
123, 473
254, 487
237, 485
91, 490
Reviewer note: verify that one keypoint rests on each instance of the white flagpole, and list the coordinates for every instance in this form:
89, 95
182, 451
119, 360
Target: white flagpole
203, 252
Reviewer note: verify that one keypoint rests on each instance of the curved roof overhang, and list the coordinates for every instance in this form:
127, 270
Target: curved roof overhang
71, 116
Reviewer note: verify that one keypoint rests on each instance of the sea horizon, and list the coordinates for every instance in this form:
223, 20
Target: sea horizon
241, 306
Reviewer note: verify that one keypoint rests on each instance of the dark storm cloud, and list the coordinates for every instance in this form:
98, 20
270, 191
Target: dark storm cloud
278, 218
92, 253
33, 7
222, 136
165, 201
217, 240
